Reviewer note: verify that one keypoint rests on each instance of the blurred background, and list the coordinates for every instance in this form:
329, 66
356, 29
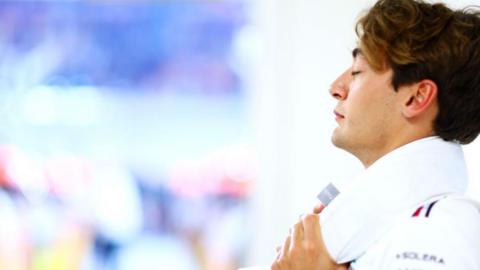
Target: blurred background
167, 134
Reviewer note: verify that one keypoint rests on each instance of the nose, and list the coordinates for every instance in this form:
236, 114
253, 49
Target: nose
339, 88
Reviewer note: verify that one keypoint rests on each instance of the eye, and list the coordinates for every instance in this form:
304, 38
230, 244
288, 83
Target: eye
355, 72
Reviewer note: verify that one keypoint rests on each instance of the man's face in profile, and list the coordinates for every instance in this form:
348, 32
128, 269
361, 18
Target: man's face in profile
367, 108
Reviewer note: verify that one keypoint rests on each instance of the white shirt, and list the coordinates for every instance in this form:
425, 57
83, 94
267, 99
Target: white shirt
375, 223
448, 238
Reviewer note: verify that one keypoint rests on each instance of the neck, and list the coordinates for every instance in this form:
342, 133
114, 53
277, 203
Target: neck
370, 156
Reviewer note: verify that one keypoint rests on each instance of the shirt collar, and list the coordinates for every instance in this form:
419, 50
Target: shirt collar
426, 166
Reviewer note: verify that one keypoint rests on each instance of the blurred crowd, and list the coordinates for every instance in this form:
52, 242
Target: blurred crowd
72, 213
145, 45
61, 206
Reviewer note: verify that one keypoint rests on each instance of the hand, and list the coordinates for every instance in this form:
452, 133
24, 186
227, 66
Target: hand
317, 209
304, 249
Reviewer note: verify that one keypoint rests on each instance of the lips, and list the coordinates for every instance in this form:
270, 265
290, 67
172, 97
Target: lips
338, 115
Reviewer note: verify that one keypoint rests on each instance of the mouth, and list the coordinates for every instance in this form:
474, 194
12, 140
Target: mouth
338, 116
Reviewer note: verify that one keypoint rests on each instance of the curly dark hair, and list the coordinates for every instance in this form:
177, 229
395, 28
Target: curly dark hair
419, 40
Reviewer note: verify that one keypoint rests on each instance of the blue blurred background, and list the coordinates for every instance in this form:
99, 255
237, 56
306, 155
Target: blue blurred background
124, 141
165, 134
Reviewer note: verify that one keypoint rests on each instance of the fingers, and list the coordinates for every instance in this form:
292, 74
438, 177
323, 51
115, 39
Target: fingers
282, 250
286, 245
318, 208
311, 227
306, 229
297, 235
304, 248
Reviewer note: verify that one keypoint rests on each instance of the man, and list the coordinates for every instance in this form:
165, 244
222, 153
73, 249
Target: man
411, 97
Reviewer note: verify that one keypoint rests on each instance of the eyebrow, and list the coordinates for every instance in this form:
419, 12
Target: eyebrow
356, 52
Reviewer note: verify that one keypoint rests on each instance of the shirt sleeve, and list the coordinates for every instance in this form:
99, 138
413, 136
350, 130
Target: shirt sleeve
448, 239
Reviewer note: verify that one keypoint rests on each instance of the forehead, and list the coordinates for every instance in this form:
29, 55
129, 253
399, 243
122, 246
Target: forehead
360, 61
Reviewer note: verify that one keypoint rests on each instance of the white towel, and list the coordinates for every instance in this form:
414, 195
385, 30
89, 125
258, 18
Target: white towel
397, 182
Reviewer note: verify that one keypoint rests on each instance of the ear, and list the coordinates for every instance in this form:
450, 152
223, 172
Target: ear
421, 96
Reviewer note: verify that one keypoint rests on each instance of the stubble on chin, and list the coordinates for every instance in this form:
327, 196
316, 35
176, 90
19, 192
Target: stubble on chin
341, 141
336, 139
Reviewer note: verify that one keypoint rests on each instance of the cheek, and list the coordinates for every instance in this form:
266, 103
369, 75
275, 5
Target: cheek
366, 103
358, 99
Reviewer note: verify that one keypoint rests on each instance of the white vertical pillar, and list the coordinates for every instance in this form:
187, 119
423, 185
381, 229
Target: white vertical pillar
304, 45
273, 117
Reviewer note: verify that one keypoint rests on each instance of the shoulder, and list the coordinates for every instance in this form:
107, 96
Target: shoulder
457, 215
443, 234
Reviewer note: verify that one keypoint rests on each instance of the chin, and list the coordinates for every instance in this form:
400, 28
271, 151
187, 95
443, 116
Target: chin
339, 140
336, 139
